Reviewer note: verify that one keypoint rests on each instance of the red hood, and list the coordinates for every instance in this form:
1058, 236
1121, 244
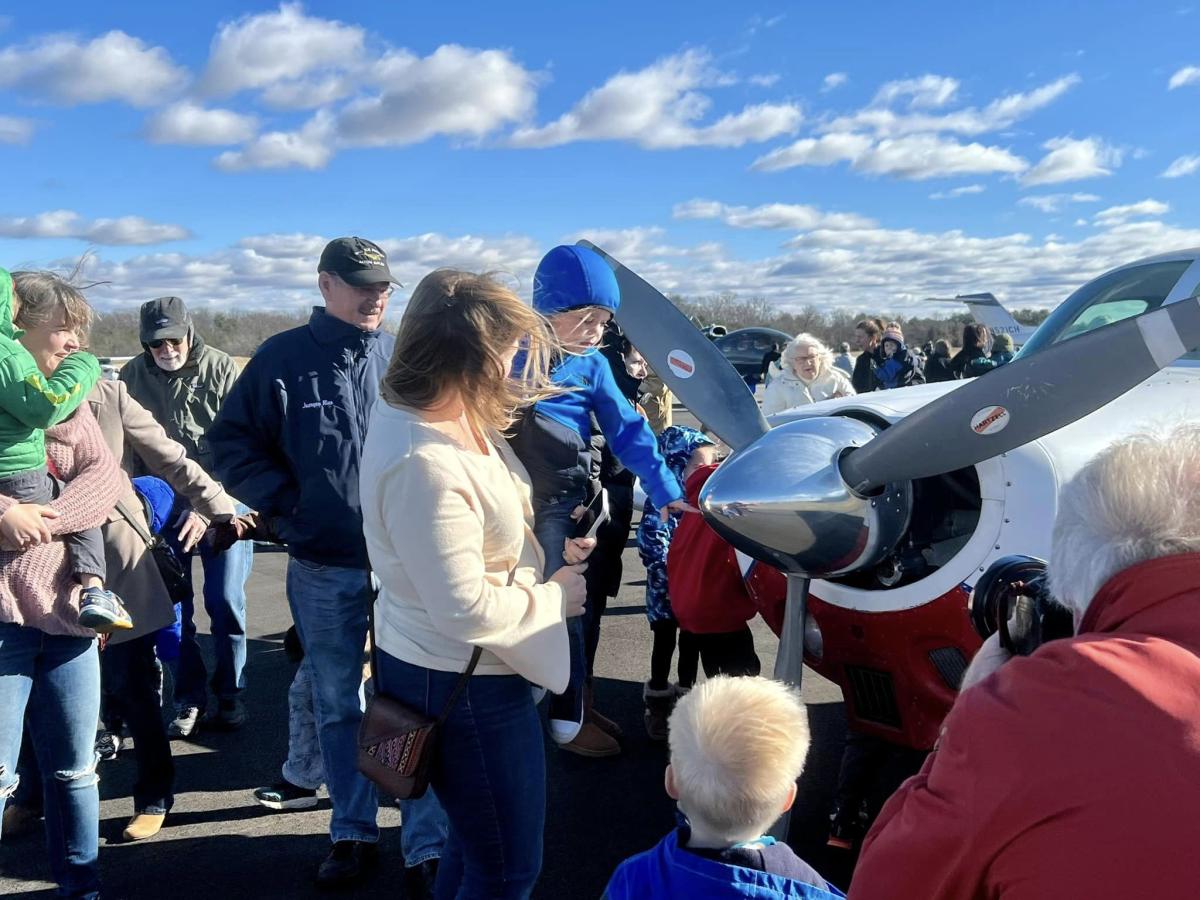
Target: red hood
1142, 599
695, 482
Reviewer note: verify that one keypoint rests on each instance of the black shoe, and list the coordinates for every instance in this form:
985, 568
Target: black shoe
231, 714
419, 880
285, 795
346, 863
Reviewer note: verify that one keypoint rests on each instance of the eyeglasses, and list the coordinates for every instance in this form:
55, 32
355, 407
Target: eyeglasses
807, 358
379, 289
157, 345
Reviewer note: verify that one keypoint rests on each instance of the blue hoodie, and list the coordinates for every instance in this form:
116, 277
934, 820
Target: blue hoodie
667, 871
553, 440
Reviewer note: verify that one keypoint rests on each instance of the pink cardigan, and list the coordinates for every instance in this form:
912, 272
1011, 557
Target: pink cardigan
36, 587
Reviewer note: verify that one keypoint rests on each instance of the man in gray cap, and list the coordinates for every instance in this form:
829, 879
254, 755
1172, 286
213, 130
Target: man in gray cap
184, 382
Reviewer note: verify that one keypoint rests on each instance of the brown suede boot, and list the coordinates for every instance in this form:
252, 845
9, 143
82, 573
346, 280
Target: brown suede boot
603, 722
593, 742
658, 709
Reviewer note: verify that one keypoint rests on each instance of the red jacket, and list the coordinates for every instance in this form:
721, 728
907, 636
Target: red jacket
1074, 772
708, 595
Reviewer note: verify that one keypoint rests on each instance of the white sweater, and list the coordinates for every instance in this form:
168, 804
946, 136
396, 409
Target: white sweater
787, 389
444, 527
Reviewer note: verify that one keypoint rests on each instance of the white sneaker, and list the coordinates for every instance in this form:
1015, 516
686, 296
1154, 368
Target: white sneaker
563, 731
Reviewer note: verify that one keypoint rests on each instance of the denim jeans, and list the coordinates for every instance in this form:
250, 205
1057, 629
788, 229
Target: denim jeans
225, 577
131, 681
57, 678
424, 821
490, 775
552, 525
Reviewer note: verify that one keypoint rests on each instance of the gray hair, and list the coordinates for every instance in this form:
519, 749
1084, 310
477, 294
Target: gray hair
804, 339
1137, 500
43, 294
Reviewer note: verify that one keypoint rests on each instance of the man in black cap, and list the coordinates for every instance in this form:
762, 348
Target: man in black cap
183, 382
288, 441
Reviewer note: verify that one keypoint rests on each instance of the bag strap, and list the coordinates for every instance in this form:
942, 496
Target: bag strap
136, 522
462, 679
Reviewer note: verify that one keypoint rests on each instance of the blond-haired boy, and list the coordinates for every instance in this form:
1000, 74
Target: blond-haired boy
737, 747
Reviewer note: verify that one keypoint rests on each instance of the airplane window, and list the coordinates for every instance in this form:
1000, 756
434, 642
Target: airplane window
1104, 314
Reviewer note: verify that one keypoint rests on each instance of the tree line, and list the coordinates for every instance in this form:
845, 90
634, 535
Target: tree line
240, 333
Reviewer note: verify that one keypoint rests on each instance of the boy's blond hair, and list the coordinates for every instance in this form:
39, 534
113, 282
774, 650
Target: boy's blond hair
737, 747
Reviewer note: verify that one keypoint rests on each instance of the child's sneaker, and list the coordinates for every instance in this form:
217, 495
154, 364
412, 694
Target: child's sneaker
102, 611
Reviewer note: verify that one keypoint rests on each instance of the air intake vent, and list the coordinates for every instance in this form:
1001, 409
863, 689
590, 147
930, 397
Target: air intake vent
950, 664
873, 695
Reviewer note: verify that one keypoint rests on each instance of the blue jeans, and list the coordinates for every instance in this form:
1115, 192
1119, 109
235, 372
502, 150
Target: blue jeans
552, 525
490, 775
424, 821
225, 577
57, 678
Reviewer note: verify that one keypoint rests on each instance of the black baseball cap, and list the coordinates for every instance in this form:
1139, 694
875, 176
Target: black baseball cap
166, 317
356, 261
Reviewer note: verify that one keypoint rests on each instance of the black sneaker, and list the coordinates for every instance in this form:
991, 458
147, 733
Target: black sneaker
108, 745
231, 714
284, 795
186, 721
347, 863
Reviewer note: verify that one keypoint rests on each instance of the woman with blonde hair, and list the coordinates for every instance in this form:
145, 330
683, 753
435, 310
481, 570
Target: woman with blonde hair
448, 524
808, 376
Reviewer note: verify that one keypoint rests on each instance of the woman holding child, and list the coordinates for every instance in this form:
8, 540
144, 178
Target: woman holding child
448, 523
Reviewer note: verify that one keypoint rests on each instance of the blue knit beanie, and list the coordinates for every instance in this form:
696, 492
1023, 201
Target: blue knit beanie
569, 277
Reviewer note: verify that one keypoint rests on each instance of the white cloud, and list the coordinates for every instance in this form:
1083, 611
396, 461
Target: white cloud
658, 108
455, 91
311, 147
996, 116
188, 123
1117, 215
958, 192
833, 81
1052, 203
65, 223
1186, 75
263, 50
1073, 160
792, 216
764, 80
1184, 165
914, 157
926, 92
14, 130
115, 66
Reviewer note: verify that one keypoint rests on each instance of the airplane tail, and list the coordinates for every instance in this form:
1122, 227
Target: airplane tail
989, 311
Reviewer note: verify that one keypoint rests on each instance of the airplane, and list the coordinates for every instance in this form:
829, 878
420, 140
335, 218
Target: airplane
890, 505
986, 309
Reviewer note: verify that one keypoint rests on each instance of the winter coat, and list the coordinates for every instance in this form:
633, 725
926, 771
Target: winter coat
131, 432
30, 402
671, 871
970, 362
185, 402
553, 439
1001, 357
902, 368
844, 362
937, 368
787, 389
677, 445
708, 595
1068, 773
863, 378
288, 441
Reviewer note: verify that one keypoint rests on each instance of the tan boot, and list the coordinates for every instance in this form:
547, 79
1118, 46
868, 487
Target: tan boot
603, 722
593, 742
143, 825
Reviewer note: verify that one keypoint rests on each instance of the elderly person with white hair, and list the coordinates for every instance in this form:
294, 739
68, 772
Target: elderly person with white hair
1075, 771
808, 375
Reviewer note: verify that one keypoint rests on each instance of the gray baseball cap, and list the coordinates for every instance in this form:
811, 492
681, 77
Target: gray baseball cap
164, 318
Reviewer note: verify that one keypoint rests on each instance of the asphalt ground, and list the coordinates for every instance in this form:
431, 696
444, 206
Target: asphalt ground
219, 843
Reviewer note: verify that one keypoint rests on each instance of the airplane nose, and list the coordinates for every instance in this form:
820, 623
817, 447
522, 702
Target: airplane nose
782, 500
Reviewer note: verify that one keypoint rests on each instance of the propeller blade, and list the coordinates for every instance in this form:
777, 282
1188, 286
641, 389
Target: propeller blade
1026, 399
692, 367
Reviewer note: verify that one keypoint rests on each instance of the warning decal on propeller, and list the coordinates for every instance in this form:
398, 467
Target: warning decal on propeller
990, 420
681, 363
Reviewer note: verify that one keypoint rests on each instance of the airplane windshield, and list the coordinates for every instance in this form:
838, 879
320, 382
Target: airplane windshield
1116, 296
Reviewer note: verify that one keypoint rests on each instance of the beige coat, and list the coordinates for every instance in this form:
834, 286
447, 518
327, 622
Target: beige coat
129, 429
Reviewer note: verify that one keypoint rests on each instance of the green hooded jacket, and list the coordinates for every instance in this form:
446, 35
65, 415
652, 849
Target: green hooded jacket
29, 402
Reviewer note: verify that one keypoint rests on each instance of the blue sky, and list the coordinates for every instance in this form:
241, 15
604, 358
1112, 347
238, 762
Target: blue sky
868, 155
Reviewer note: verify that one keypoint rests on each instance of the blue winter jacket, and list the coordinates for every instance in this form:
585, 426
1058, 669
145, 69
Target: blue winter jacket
554, 439
669, 871
289, 438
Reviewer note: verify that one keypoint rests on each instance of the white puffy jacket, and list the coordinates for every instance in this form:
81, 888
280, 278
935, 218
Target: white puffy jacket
787, 390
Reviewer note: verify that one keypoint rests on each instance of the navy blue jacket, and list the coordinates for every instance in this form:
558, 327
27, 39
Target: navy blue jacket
289, 438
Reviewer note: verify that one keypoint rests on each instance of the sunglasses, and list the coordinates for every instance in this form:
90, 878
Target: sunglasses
156, 345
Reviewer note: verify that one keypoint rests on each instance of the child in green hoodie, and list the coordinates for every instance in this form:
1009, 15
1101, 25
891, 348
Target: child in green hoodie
29, 404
